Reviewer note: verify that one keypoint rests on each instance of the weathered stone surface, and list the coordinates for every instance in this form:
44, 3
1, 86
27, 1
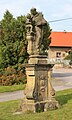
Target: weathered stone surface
28, 105
35, 106
36, 26
51, 104
39, 91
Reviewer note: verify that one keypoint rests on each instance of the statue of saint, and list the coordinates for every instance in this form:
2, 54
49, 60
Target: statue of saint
35, 26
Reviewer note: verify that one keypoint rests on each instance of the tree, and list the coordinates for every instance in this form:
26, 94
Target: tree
47, 38
70, 58
12, 40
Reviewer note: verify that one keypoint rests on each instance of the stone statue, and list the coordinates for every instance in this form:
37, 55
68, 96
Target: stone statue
39, 93
35, 29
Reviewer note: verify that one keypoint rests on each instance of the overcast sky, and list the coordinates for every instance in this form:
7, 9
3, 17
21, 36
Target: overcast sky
51, 9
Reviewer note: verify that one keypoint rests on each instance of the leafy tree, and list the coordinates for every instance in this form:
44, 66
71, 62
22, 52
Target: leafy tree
12, 40
46, 36
70, 58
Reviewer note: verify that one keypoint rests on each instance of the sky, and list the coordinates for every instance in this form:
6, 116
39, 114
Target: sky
51, 9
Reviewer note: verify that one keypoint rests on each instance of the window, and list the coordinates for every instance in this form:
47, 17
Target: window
58, 54
69, 51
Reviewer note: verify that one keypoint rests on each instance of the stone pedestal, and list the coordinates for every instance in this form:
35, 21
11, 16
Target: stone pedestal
39, 93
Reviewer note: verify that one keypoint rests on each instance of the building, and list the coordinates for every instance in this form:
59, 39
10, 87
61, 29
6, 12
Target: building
61, 44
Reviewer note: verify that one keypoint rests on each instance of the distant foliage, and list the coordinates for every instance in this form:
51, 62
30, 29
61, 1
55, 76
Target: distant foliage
10, 76
12, 40
13, 49
69, 57
46, 36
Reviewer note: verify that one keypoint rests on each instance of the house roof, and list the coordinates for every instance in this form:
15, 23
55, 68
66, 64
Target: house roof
61, 39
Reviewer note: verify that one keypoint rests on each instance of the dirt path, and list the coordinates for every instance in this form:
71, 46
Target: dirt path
11, 96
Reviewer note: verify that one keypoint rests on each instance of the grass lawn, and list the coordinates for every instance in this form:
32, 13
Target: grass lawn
11, 88
63, 113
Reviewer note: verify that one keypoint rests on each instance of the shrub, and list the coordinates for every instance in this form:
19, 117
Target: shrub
70, 62
10, 77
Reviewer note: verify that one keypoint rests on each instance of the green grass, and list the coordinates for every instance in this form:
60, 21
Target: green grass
0, 55
63, 113
11, 88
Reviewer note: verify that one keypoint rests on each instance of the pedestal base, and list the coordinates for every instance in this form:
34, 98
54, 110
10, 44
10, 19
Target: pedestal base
28, 105
51, 104
39, 91
41, 106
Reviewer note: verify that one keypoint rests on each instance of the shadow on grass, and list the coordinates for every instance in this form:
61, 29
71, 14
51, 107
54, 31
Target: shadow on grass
63, 99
